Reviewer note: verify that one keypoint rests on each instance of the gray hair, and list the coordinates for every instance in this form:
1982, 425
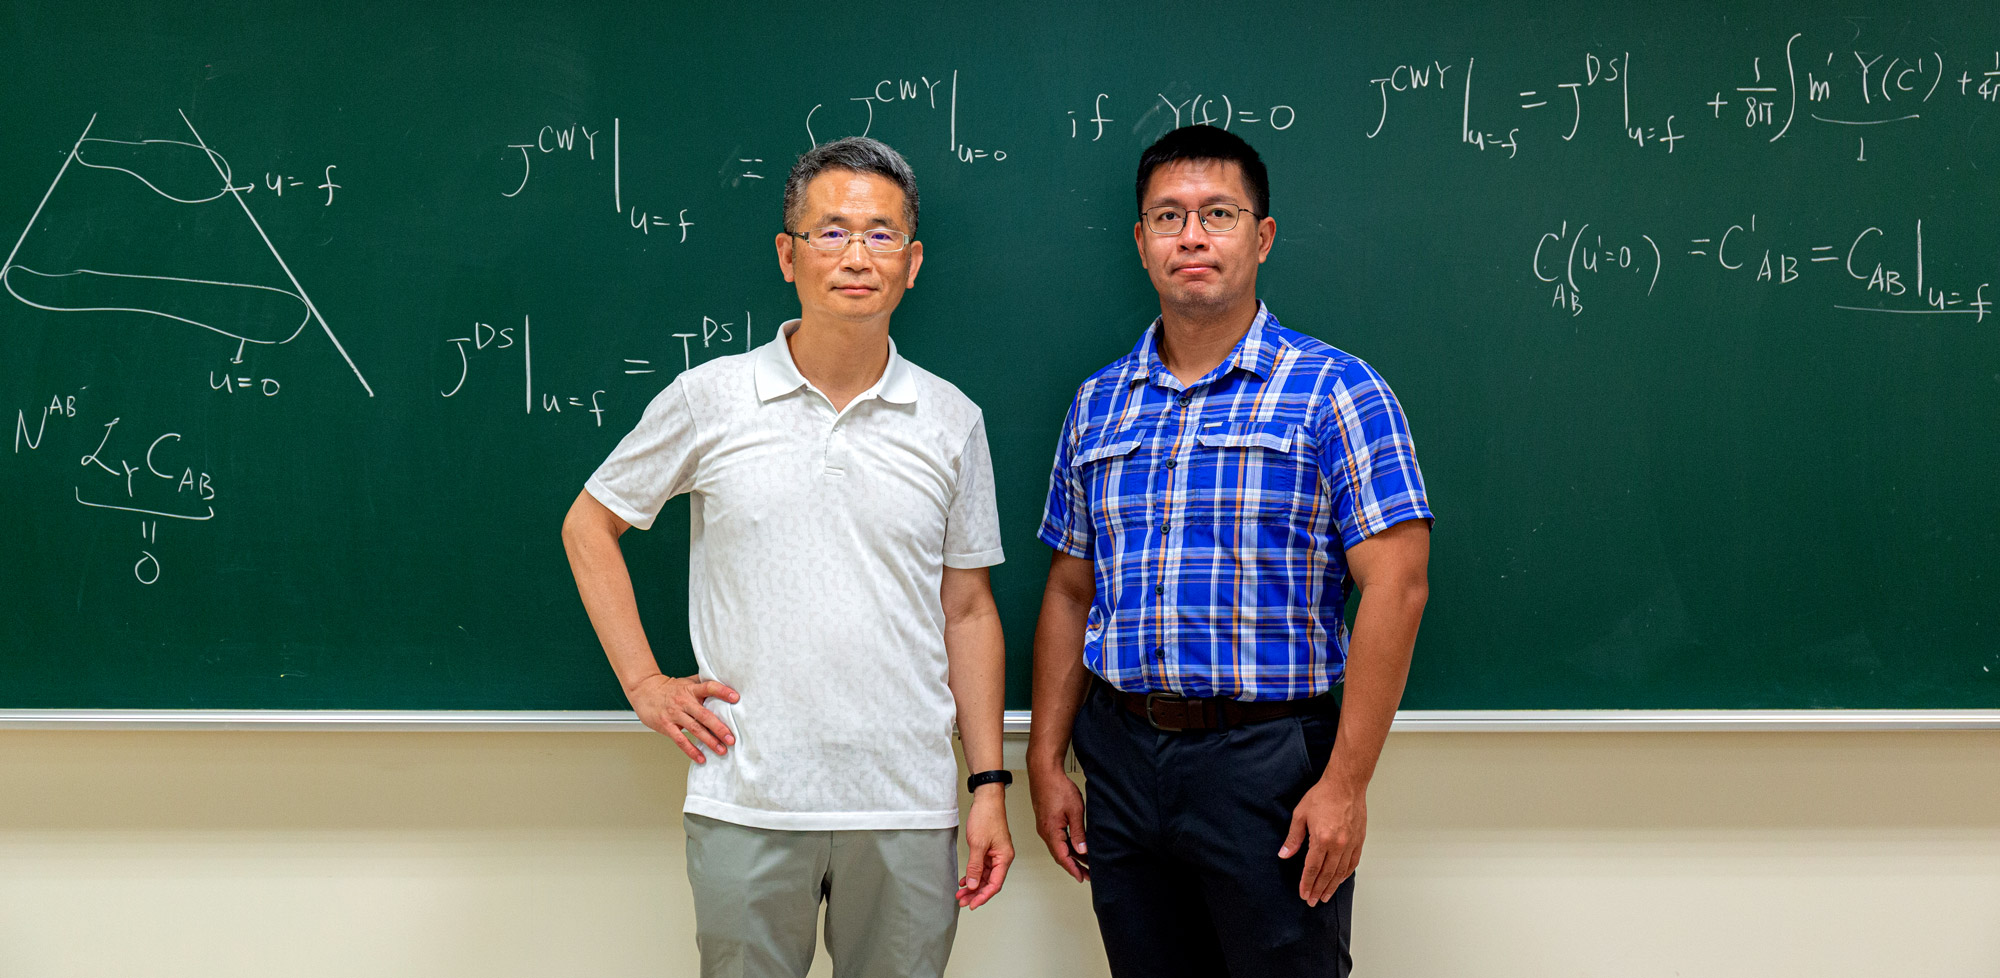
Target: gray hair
860, 155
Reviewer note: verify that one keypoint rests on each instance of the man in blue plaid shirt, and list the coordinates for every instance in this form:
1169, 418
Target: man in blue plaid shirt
1217, 494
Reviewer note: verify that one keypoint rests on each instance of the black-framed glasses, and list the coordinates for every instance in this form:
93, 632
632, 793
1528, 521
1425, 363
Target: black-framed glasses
882, 241
1168, 219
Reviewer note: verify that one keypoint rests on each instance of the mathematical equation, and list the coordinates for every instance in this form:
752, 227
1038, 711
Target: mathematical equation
560, 141
902, 94
487, 348
278, 182
576, 143
161, 486
1886, 267
1846, 90
1173, 108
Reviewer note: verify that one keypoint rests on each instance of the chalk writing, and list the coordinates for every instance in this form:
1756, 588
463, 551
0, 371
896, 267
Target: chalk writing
1891, 269
1842, 91
270, 312
578, 143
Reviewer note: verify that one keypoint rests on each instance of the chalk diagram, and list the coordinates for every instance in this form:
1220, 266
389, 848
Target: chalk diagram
182, 173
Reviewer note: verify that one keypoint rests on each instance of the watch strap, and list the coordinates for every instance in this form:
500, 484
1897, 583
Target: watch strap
988, 777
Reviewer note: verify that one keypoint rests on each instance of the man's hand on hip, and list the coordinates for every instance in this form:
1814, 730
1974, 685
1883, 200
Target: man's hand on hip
674, 707
1331, 821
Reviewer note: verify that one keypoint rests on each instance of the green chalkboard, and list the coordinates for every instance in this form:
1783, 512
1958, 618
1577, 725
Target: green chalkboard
1689, 308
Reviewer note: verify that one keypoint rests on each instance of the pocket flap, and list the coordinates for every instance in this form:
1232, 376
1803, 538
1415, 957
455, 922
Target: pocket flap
1278, 436
1109, 448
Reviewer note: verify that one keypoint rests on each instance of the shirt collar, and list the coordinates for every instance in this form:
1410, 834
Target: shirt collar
1256, 353
777, 374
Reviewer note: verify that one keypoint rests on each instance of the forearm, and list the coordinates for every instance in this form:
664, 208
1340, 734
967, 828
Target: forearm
1060, 677
1378, 667
978, 677
605, 584
977, 660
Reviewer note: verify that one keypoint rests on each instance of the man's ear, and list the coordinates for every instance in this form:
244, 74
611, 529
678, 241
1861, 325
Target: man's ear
785, 254
916, 262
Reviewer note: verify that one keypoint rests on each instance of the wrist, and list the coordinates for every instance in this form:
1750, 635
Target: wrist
1046, 759
1344, 776
990, 793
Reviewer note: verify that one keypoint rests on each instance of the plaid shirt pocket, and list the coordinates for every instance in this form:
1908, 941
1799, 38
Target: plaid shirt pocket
1254, 472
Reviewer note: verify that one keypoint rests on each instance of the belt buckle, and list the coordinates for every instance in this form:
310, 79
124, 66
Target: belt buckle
1151, 698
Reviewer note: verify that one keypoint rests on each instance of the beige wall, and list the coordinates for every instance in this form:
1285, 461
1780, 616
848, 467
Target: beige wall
499, 855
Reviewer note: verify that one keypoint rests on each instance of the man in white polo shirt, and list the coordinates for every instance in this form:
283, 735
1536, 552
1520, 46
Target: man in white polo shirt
843, 521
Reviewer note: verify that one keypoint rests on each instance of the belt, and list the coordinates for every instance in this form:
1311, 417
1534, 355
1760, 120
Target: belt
1168, 712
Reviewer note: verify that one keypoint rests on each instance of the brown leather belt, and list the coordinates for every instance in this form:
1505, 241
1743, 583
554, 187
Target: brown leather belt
1174, 714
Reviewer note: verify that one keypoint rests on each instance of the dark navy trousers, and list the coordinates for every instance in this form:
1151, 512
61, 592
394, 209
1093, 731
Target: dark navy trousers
1184, 830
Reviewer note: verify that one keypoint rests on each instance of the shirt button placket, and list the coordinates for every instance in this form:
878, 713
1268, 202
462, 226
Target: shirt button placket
1181, 401
836, 448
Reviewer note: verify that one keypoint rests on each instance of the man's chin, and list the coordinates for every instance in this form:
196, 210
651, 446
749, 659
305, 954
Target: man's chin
870, 306
1196, 297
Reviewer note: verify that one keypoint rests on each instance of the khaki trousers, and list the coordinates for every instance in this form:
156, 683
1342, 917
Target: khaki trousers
891, 899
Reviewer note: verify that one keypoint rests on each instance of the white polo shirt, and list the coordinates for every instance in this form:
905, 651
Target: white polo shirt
819, 543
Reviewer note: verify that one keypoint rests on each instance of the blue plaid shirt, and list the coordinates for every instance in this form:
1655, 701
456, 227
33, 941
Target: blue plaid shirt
1218, 513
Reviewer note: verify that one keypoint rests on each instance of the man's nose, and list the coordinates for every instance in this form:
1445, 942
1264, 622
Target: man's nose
1193, 236
856, 255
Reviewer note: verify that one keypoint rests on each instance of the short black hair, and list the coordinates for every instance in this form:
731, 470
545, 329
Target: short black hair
1207, 143
858, 154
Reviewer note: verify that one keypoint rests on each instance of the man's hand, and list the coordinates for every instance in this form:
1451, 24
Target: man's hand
1059, 818
674, 707
1332, 820
990, 847
1391, 569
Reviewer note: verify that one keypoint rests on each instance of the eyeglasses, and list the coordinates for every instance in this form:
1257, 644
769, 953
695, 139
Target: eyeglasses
882, 241
1169, 220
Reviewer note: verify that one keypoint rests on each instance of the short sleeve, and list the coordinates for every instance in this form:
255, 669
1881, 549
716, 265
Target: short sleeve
654, 462
1368, 457
1066, 518
972, 525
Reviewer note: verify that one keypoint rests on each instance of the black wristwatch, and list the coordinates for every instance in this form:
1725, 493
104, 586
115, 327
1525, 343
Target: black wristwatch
988, 777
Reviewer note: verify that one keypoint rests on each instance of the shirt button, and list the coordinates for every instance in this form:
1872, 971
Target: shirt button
1159, 653
1184, 399
1159, 589
1163, 526
1171, 463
